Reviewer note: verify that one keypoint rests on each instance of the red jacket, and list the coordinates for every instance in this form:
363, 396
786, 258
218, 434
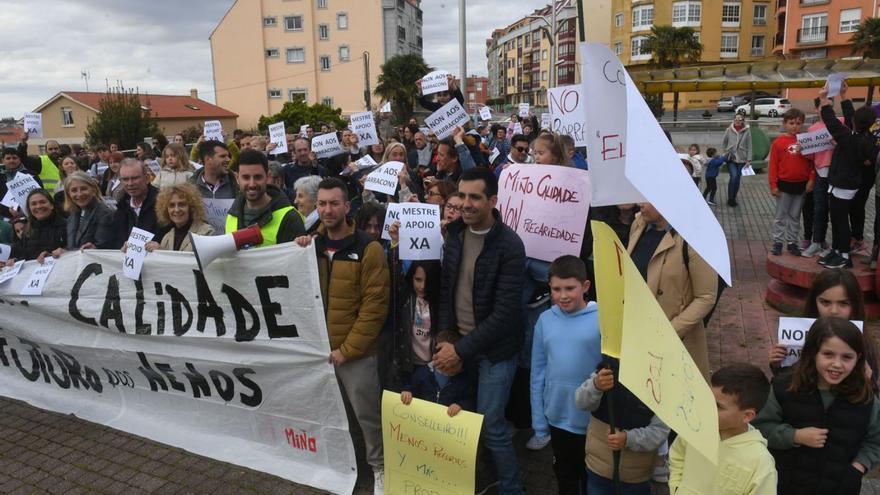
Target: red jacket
786, 162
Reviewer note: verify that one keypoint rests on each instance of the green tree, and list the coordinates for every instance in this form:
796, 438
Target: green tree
866, 40
122, 118
670, 47
397, 83
298, 112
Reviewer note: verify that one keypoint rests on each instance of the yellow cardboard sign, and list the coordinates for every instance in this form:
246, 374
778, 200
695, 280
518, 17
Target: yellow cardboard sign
656, 367
426, 451
608, 255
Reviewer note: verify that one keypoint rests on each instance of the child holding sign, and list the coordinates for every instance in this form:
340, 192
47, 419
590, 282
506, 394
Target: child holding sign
821, 420
416, 338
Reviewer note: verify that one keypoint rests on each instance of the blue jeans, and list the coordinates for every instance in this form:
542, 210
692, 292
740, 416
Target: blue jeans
598, 485
820, 209
735, 171
493, 389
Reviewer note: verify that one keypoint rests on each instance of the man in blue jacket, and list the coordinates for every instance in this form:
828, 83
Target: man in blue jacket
482, 282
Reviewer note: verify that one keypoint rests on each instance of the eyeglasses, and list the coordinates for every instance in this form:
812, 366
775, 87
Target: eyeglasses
434, 193
451, 207
521, 149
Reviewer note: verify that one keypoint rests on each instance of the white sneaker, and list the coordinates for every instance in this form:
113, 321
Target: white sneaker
538, 442
379, 481
812, 250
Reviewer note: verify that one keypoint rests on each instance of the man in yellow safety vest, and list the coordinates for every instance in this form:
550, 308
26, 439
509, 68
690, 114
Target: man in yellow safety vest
263, 204
45, 166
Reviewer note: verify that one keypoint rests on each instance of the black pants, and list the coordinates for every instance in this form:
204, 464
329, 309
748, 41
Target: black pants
519, 405
568, 453
807, 215
857, 208
840, 233
711, 188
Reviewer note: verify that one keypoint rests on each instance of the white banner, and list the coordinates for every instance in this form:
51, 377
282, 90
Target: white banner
365, 127
420, 237
523, 110
444, 121
568, 112
230, 363
33, 124
326, 145
435, 82
392, 213
384, 179
816, 141
277, 136
485, 113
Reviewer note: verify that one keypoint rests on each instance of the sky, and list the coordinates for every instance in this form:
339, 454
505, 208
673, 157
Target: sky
162, 47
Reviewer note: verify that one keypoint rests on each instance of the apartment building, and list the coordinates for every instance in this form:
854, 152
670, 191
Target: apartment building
268, 52
519, 58
476, 93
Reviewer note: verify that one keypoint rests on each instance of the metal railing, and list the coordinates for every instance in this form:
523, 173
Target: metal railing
818, 34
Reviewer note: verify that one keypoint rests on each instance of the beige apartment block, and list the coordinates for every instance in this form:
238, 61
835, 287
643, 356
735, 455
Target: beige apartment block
268, 52
729, 30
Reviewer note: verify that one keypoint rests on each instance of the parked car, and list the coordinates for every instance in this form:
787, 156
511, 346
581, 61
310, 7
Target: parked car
771, 107
747, 96
728, 103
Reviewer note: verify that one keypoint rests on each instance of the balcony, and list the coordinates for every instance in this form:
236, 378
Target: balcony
808, 3
812, 35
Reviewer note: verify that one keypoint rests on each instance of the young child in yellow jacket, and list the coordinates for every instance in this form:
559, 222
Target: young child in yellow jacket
745, 466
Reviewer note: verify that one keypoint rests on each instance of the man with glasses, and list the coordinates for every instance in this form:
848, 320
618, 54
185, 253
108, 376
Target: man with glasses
137, 207
519, 153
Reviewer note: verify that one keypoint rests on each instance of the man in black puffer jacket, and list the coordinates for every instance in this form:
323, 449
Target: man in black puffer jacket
480, 296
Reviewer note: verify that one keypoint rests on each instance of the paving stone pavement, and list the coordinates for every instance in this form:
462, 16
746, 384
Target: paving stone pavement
45, 452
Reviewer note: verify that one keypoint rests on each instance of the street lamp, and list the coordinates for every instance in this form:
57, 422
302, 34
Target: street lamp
551, 29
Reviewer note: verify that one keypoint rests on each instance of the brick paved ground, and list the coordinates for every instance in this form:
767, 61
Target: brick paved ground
44, 452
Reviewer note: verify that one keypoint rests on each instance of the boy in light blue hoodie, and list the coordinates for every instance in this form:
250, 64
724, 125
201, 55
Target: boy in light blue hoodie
565, 351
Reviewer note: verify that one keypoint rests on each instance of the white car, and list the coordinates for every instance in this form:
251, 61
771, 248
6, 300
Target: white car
771, 107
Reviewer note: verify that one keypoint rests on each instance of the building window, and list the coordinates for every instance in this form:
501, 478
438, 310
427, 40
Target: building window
618, 48
697, 36
271, 53
472, 96
419, 41
729, 45
814, 28
322, 4
814, 53
401, 33
479, 85
342, 20
327, 101
325, 62
686, 13
323, 32
850, 20
759, 14
297, 95
757, 45
343, 53
543, 75
638, 49
730, 14
293, 23
527, 39
543, 54
274, 93
296, 55
67, 116
270, 21
643, 17
618, 19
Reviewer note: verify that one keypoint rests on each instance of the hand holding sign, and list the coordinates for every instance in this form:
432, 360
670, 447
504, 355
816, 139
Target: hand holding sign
835, 83
35, 284
485, 113
435, 82
384, 179
213, 131
444, 121
33, 124
327, 145
278, 137
18, 188
135, 253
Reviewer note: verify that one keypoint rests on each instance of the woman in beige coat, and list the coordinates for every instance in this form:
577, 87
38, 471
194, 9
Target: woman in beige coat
180, 206
687, 293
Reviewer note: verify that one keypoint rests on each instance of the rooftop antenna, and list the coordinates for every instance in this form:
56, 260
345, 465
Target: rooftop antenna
86, 75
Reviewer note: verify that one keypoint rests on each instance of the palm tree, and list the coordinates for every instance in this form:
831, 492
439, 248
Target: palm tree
866, 40
669, 47
397, 83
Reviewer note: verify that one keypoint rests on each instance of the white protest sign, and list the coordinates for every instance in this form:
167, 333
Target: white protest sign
386, 108
792, 333
19, 187
392, 213
606, 117
835, 81
37, 281
33, 124
326, 145
444, 121
213, 130
494, 155
9, 272
485, 113
815, 141
547, 206
277, 136
748, 170
420, 237
384, 179
5, 251
365, 162
546, 121
304, 130
523, 110
175, 355
517, 129
215, 213
568, 112
365, 127
135, 252
435, 82
653, 167
9, 200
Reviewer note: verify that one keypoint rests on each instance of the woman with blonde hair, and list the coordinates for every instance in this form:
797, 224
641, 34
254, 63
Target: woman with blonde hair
174, 166
88, 218
550, 149
181, 207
